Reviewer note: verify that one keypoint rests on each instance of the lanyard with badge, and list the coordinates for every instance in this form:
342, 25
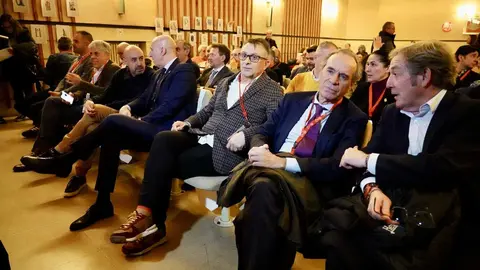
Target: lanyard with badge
465, 75
242, 100
371, 109
308, 126
76, 64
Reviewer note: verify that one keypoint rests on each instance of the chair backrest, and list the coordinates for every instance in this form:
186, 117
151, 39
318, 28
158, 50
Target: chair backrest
368, 133
204, 97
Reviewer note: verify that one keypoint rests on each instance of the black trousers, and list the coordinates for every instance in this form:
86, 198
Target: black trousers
115, 133
55, 115
33, 105
22, 88
261, 244
173, 154
4, 262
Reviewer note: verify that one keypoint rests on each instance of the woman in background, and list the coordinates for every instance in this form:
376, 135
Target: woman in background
372, 96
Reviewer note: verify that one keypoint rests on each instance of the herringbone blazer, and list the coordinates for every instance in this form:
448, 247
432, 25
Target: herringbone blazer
261, 99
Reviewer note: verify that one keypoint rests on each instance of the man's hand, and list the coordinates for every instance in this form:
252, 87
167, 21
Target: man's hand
379, 207
178, 126
354, 158
54, 94
125, 110
377, 43
73, 78
89, 108
262, 157
236, 142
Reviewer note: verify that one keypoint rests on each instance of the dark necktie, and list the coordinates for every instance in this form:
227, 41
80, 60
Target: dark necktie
306, 146
212, 76
156, 89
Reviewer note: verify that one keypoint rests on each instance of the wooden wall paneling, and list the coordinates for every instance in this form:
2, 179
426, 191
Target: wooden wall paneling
231, 16
60, 10
178, 10
206, 13
33, 4
216, 8
167, 13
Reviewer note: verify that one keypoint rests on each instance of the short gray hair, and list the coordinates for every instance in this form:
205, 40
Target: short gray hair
433, 55
101, 45
327, 44
357, 75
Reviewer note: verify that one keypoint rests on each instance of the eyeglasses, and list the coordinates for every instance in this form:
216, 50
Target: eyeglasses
253, 57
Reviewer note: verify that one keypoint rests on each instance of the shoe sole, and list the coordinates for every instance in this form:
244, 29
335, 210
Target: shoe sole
118, 239
147, 232
159, 243
75, 193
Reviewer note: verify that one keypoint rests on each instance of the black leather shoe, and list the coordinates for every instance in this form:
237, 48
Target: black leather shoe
31, 133
21, 168
51, 163
93, 214
74, 186
2, 121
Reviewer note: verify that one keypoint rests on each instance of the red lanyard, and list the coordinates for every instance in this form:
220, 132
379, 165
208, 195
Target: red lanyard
306, 128
371, 108
241, 99
76, 64
465, 75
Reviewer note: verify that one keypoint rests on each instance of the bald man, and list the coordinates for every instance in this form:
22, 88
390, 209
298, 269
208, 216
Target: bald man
120, 51
170, 96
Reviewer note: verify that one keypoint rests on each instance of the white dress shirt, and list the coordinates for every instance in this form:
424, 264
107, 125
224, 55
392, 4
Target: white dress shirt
416, 133
232, 97
291, 164
97, 74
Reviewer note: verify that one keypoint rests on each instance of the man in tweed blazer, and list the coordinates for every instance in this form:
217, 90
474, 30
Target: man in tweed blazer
240, 105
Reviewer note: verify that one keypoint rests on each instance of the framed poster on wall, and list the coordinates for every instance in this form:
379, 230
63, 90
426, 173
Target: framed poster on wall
173, 27
215, 38
72, 8
186, 23
159, 25
48, 8
20, 6
220, 25
39, 33
204, 40
209, 22
225, 39
63, 31
198, 23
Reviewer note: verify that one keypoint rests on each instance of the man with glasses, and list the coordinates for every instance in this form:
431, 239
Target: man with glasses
211, 142
218, 58
424, 148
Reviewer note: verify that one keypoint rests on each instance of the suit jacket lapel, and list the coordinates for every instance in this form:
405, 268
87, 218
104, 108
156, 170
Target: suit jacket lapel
293, 116
333, 122
167, 73
439, 118
219, 75
100, 77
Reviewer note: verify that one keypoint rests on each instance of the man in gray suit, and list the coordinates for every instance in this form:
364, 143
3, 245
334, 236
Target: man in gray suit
218, 58
240, 105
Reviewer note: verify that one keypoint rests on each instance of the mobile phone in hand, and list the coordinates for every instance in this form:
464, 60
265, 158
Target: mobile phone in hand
66, 97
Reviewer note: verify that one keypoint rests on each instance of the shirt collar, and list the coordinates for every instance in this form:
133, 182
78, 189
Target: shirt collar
167, 66
218, 69
327, 106
314, 77
429, 106
100, 69
240, 74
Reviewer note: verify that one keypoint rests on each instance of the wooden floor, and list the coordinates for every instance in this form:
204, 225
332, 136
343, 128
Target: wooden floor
34, 221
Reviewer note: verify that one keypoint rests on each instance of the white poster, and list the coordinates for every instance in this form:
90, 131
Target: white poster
215, 38
220, 25
193, 38
173, 27
204, 40
239, 31
209, 23
198, 23
225, 39
63, 31
186, 23
72, 8
234, 40
39, 33
48, 8
181, 36
159, 25
230, 27
20, 6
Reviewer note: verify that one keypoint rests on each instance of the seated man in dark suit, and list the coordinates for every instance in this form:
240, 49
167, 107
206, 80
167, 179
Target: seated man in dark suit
170, 97
81, 66
473, 91
184, 54
59, 63
218, 58
57, 113
425, 146
300, 145
234, 114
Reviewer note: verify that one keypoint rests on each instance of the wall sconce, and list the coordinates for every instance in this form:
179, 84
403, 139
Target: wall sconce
270, 4
330, 9
121, 7
466, 11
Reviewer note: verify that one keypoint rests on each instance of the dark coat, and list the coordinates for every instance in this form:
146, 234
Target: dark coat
467, 80
223, 73
168, 98
57, 67
388, 41
361, 96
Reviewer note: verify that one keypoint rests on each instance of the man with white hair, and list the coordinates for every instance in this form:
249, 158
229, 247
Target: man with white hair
171, 96
57, 112
120, 51
268, 38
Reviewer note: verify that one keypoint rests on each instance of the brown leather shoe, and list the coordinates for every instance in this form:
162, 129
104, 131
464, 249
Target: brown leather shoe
136, 224
150, 239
